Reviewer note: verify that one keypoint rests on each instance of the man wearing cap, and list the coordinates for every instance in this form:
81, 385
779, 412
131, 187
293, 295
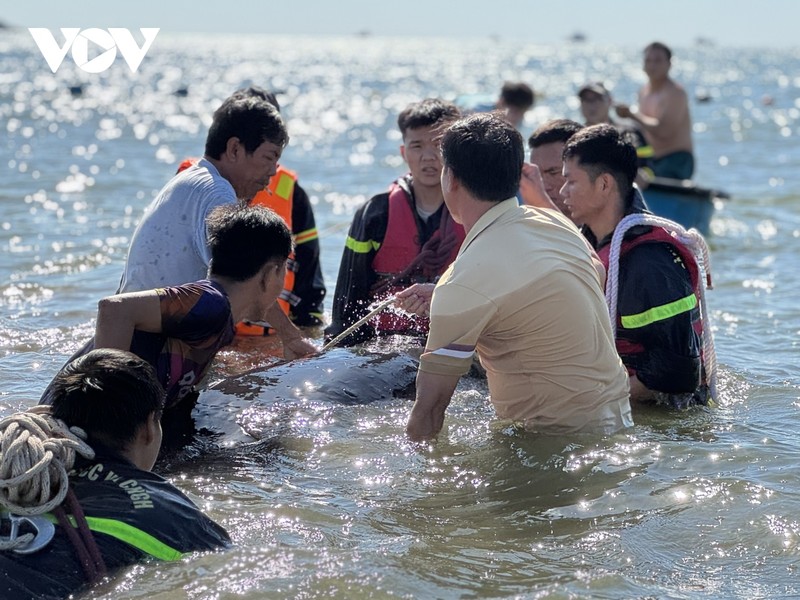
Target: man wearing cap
596, 104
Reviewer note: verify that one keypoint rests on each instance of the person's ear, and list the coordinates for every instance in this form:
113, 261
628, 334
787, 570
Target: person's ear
151, 427
233, 148
403, 152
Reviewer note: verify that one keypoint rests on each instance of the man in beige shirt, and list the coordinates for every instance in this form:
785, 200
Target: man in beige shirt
663, 116
523, 293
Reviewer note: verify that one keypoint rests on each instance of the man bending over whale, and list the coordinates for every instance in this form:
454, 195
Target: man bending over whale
180, 329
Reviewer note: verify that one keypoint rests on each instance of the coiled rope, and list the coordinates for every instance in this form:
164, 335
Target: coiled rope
694, 241
37, 451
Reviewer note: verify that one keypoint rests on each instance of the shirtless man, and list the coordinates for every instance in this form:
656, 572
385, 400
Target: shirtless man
663, 116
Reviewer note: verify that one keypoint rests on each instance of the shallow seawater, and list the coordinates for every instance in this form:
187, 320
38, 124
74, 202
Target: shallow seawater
337, 502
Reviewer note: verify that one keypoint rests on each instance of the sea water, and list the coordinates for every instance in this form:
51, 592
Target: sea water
699, 504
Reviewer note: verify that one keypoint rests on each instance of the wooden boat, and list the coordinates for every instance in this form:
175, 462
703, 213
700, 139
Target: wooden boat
683, 201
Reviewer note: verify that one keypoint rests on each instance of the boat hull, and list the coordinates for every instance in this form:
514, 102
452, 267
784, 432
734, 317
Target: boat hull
682, 202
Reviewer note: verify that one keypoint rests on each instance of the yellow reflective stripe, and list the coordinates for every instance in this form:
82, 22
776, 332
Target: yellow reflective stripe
644, 152
128, 534
285, 186
660, 313
306, 236
361, 247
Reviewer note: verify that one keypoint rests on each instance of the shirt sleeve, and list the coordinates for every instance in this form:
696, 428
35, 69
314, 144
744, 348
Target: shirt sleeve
194, 313
657, 308
309, 286
356, 275
459, 316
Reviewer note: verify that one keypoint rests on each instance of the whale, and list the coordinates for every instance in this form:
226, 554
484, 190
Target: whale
239, 413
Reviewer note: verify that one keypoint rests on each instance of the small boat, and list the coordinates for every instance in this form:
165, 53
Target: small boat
683, 202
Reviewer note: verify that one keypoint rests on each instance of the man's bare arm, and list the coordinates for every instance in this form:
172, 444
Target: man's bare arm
118, 316
434, 393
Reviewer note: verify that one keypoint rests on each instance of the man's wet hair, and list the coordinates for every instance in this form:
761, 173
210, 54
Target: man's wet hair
255, 91
517, 94
555, 130
659, 46
109, 394
485, 153
250, 119
243, 239
603, 149
427, 112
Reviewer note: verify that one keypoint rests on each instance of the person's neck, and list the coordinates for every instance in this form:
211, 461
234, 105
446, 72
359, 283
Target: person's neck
472, 209
606, 221
221, 167
239, 293
428, 198
658, 83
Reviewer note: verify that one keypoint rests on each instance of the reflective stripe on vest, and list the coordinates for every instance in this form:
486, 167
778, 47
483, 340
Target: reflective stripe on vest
305, 236
133, 536
659, 313
361, 247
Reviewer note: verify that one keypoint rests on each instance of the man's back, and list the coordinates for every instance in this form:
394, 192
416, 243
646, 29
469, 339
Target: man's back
524, 289
132, 513
169, 245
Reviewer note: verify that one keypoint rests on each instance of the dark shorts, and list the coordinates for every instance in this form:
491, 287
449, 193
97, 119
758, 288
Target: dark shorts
678, 165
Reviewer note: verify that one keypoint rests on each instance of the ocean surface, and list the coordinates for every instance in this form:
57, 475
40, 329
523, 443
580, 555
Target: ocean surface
702, 504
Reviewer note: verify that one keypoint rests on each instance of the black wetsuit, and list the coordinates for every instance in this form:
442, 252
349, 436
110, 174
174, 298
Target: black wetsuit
153, 518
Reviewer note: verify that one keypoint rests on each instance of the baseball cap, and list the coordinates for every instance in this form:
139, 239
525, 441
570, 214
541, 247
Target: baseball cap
596, 87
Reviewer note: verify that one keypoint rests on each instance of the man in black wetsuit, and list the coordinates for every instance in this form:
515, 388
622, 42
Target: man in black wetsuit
115, 397
658, 317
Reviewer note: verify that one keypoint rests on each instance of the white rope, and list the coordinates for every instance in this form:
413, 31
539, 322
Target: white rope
36, 453
696, 244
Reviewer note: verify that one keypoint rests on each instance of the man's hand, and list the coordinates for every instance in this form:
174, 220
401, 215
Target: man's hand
294, 346
416, 299
531, 188
623, 111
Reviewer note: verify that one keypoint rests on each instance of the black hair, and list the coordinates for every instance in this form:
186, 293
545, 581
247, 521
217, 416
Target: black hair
243, 239
249, 118
555, 130
659, 46
485, 153
603, 149
255, 91
430, 111
517, 94
109, 394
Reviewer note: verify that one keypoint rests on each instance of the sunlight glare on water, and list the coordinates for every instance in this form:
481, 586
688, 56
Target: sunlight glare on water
333, 500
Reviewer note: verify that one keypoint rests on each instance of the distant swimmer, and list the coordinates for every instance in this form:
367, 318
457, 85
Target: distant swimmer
663, 116
95, 507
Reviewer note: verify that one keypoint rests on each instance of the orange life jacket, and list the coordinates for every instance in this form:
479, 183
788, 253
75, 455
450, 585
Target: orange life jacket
278, 197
